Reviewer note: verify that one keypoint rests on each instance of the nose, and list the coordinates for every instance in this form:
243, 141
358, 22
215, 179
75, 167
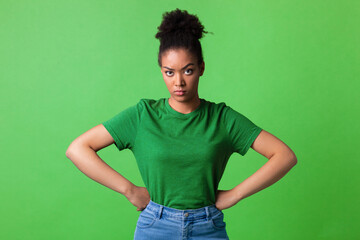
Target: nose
179, 80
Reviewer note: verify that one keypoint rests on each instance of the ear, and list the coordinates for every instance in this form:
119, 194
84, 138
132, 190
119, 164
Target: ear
202, 68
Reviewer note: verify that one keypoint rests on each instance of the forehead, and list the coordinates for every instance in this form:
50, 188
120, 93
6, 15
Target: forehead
177, 56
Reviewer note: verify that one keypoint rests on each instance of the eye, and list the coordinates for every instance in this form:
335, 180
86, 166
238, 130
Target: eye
166, 72
191, 71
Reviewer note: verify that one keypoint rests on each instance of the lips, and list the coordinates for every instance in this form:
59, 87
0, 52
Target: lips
179, 92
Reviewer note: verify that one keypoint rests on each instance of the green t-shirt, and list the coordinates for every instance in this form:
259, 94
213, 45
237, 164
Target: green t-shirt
182, 157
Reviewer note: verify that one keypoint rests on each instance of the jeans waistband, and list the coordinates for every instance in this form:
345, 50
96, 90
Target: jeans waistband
200, 213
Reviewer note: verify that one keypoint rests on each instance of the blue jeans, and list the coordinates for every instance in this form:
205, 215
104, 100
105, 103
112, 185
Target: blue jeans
157, 222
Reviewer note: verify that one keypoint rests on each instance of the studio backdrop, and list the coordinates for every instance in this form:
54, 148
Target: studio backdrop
66, 66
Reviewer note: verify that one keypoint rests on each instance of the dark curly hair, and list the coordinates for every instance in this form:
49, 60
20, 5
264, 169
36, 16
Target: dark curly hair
179, 29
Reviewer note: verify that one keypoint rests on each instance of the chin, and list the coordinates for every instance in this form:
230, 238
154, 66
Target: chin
182, 98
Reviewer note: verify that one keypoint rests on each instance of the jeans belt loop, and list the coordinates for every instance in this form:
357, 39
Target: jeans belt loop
160, 211
207, 213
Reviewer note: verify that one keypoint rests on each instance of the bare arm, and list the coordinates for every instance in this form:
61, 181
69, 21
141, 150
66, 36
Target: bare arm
82, 152
281, 160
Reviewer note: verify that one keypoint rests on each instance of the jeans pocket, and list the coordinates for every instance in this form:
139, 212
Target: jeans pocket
217, 221
145, 207
218, 209
146, 219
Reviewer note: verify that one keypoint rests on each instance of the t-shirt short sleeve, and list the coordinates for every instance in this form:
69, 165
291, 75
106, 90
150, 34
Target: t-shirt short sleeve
242, 131
123, 126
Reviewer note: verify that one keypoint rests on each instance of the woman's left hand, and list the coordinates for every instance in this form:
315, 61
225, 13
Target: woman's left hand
225, 199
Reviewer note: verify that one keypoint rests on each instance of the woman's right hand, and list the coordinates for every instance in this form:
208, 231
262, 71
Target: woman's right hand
138, 196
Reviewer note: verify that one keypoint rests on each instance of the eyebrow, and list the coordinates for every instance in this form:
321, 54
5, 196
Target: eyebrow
182, 68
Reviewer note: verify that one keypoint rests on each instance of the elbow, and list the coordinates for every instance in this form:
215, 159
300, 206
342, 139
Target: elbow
72, 153
73, 147
68, 152
290, 156
293, 158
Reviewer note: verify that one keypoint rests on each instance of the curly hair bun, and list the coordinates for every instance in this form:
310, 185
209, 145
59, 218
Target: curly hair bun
178, 23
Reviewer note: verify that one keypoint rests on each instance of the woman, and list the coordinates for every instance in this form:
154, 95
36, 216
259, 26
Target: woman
181, 145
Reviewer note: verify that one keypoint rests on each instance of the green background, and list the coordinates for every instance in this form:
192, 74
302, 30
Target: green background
292, 67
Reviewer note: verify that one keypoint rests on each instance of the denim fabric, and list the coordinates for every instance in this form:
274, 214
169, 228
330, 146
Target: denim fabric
157, 222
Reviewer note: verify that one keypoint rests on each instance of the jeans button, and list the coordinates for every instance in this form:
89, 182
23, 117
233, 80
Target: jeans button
186, 214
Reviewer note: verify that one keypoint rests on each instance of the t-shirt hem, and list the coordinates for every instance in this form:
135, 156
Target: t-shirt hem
119, 145
251, 139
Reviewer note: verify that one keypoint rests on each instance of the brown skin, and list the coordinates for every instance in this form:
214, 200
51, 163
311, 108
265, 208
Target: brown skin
138, 196
83, 150
280, 160
175, 77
